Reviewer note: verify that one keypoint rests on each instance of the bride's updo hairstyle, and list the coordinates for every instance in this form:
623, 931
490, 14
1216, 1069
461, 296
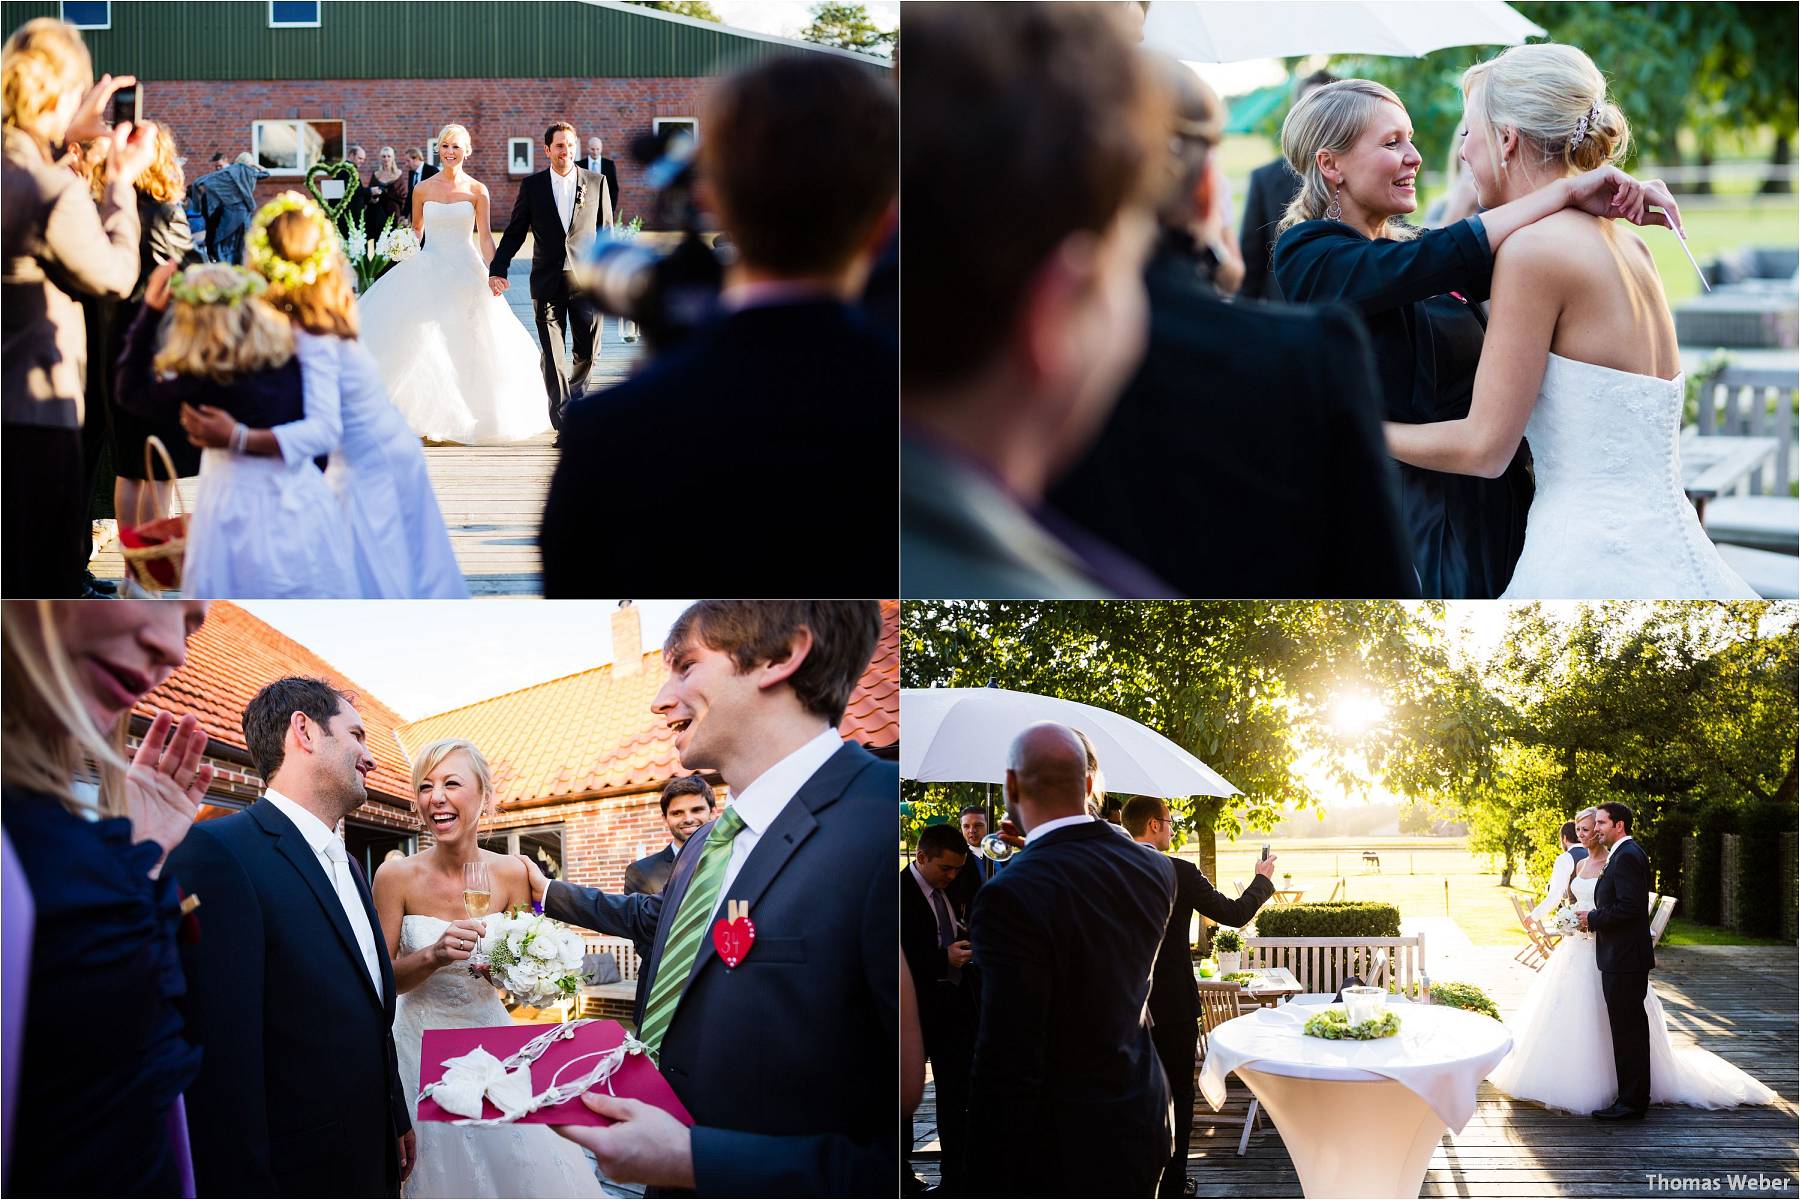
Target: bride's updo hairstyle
1329, 118
433, 756
1555, 97
459, 135
325, 306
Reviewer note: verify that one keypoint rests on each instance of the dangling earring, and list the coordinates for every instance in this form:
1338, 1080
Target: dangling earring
1334, 211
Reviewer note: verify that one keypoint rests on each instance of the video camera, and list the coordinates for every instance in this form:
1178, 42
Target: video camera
669, 295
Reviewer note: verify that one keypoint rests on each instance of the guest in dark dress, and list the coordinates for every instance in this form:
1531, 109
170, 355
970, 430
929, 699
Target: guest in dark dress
387, 201
164, 237
1340, 242
100, 1106
1272, 188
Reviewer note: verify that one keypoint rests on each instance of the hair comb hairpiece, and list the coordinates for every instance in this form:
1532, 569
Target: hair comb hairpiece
1582, 123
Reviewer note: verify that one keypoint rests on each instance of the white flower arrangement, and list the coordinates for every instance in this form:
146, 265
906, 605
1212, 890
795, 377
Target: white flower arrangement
1564, 921
397, 243
535, 958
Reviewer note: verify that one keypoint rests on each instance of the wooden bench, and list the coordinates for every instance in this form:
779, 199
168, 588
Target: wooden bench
616, 1001
1751, 516
1322, 964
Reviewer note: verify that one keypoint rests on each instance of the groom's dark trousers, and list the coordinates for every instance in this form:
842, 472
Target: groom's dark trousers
299, 1090
786, 1061
1621, 923
1066, 1084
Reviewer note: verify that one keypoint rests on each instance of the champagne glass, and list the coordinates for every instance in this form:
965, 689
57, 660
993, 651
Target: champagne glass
997, 848
478, 894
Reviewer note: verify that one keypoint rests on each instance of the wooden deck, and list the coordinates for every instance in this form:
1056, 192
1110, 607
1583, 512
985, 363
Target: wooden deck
492, 496
1737, 1001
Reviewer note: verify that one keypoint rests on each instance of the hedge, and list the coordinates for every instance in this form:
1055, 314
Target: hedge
1759, 882
1349, 918
1705, 884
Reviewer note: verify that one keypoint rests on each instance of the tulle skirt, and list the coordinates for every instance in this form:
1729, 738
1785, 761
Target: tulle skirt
456, 361
1562, 1047
262, 529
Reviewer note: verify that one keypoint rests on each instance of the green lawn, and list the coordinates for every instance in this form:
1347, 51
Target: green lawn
1423, 877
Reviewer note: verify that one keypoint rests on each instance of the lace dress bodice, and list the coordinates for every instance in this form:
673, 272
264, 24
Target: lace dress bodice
451, 998
1610, 519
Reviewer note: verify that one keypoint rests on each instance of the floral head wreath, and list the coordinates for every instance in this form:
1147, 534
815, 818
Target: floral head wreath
261, 256
216, 283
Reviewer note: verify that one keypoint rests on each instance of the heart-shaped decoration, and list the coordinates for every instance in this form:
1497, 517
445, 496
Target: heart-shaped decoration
733, 939
339, 170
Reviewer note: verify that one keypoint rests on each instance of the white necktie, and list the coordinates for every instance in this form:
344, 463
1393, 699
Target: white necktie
338, 865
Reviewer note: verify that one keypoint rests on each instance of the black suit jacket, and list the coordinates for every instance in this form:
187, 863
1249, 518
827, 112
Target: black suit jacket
299, 1090
534, 211
650, 874
1174, 997
799, 400
1065, 1072
426, 171
975, 872
787, 1061
1272, 186
929, 962
1620, 917
609, 171
1245, 458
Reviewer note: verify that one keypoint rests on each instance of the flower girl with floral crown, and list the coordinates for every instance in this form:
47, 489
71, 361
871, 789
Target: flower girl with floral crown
378, 471
261, 527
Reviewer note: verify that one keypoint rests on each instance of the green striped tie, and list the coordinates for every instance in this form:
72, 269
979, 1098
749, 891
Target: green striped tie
692, 921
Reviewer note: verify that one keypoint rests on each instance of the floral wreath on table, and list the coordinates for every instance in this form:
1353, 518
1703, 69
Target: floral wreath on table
216, 283
261, 256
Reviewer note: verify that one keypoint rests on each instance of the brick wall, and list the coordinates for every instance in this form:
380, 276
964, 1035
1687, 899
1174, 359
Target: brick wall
209, 116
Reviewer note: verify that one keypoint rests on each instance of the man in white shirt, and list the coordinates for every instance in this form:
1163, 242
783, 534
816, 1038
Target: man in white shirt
289, 988
786, 1059
1575, 836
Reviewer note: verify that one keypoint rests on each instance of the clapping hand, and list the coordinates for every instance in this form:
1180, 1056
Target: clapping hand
166, 782
643, 1145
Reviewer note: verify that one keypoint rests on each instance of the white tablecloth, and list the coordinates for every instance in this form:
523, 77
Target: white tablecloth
1442, 1054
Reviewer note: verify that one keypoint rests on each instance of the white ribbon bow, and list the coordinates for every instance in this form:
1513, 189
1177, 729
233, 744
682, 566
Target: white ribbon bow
477, 1074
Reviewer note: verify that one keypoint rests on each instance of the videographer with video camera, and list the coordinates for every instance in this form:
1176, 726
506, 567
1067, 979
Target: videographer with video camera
789, 389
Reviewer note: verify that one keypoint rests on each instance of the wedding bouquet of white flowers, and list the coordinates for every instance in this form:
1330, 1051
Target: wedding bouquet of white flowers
397, 243
1564, 921
536, 959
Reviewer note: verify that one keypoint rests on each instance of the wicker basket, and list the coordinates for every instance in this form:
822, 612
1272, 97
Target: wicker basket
154, 550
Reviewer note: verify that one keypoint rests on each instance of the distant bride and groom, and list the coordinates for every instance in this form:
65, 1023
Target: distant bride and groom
1590, 1036
310, 991
455, 359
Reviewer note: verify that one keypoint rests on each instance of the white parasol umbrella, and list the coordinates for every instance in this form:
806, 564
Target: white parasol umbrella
1223, 31
961, 735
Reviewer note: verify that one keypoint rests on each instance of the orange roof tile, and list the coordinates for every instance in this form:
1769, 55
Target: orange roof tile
593, 733
231, 658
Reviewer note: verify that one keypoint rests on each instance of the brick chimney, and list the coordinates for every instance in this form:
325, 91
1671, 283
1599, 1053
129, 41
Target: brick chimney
627, 640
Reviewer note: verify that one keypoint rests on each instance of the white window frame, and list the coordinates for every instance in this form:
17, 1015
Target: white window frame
62, 12
430, 148
318, 7
512, 836
512, 167
287, 172
656, 124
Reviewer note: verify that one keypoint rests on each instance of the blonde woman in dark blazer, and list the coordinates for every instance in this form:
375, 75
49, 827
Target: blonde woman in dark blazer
57, 245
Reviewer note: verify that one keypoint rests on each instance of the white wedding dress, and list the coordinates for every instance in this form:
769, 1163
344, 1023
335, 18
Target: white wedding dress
457, 1160
1609, 519
456, 361
1562, 1045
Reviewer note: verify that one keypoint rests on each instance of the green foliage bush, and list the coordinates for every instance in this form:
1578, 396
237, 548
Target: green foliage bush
1759, 882
1342, 919
1703, 890
1465, 996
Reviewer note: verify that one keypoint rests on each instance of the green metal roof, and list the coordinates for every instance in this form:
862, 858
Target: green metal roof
400, 39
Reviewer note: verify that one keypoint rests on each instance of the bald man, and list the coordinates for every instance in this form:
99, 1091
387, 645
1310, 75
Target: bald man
1065, 938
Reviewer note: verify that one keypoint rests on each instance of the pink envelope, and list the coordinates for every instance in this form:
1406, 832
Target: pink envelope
637, 1078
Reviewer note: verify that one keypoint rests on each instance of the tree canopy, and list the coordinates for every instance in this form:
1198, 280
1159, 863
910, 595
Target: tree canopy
848, 27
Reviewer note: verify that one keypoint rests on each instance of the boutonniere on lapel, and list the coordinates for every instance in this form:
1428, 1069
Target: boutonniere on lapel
734, 934
580, 187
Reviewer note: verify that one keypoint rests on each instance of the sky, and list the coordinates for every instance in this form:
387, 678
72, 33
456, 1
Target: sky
787, 18
430, 656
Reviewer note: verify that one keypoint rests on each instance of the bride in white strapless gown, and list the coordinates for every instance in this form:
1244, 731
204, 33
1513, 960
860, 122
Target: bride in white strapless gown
456, 360
1562, 1045
1609, 518
455, 1160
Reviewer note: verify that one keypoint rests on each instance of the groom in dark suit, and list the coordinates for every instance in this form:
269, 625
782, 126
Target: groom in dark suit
1620, 921
1066, 1082
786, 1061
289, 987
561, 206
